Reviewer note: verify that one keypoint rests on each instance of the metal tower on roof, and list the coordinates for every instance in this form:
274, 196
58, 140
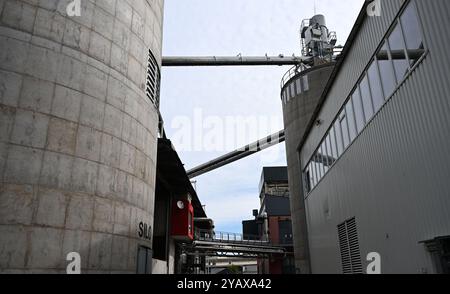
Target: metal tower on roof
316, 40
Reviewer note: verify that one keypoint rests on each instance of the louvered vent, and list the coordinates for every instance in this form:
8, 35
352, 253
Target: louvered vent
349, 246
153, 80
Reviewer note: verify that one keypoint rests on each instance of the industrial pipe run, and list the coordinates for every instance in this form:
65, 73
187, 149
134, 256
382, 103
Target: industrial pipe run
178, 61
280, 60
239, 154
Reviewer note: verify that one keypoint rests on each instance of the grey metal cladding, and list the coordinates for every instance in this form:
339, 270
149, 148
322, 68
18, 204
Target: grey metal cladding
394, 177
369, 37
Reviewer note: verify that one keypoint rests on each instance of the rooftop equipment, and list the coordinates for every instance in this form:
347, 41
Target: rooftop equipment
316, 40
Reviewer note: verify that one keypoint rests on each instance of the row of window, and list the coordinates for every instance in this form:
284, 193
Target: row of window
393, 61
296, 87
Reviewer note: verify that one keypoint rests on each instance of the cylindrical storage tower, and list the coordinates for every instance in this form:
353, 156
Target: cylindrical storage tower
300, 96
78, 134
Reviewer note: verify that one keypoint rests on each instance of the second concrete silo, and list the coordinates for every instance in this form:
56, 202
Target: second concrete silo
302, 88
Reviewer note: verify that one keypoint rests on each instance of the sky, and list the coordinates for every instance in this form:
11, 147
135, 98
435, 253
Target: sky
202, 106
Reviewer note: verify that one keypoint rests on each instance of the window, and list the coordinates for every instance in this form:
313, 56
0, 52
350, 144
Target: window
285, 232
317, 173
311, 177
358, 108
339, 139
375, 86
331, 158
398, 53
144, 261
413, 34
153, 79
351, 120
308, 185
349, 248
334, 148
386, 71
366, 99
322, 164
292, 89
325, 156
299, 86
313, 174
305, 83
344, 128
319, 163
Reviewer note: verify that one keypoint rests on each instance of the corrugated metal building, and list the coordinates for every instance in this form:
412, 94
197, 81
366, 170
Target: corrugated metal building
375, 156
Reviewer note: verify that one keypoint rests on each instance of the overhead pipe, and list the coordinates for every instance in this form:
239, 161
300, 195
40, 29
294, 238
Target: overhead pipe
241, 153
170, 61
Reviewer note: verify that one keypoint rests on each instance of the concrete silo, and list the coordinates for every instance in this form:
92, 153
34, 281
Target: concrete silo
302, 87
78, 133
300, 96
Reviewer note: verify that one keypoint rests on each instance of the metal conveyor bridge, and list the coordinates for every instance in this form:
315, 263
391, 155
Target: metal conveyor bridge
209, 243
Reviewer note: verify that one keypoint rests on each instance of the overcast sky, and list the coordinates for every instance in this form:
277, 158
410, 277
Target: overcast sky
227, 28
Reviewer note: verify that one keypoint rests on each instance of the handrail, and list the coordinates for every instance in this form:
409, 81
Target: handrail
296, 69
293, 71
224, 237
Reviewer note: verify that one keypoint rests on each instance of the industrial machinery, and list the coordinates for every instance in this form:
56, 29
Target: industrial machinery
316, 40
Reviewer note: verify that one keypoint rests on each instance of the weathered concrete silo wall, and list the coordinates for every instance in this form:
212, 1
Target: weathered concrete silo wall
78, 136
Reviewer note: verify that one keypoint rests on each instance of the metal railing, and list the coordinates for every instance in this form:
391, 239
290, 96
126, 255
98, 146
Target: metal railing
292, 72
224, 237
305, 24
296, 69
332, 37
